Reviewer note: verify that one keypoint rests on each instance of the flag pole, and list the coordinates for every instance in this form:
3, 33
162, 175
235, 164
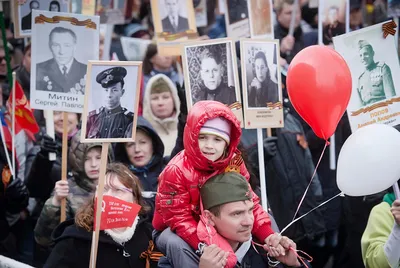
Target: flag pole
13, 123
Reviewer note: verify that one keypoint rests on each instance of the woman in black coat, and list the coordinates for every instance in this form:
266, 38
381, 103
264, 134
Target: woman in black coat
123, 247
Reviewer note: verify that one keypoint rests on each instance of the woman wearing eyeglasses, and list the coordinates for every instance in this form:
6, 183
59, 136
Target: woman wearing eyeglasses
120, 247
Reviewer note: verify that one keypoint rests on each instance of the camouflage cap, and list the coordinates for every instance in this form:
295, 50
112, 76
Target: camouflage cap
111, 76
363, 43
225, 188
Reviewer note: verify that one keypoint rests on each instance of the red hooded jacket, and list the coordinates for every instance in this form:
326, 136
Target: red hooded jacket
177, 200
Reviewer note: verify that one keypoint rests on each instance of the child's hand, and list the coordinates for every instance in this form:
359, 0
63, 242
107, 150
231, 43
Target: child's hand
396, 211
213, 256
272, 245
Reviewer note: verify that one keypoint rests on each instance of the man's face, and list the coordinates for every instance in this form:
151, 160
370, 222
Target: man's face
172, 7
112, 96
34, 5
3, 67
366, 56
333, 15
62, 46
285, 16
211, 73
261, 69
235, 221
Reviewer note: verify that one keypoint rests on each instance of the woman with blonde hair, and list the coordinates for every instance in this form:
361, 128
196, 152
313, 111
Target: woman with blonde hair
119, 247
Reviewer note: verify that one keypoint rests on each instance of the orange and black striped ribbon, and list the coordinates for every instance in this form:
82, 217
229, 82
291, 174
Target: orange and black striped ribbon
389, 28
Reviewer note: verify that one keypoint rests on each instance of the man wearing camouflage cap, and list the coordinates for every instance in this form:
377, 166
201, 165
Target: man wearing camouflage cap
228, 207
375, 83
110, 120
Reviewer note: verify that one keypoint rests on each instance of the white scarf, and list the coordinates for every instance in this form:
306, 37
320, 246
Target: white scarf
242, 250
125, 236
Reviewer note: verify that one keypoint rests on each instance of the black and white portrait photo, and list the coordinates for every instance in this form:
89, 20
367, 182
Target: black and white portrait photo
211, 72
23, 13
373, 63
174, 18
111, 100
237, 18
60, 53
333, 19
63, 71
110, 11
261, 82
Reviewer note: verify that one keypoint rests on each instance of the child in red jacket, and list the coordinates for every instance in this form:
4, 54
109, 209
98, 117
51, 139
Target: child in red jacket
211, 137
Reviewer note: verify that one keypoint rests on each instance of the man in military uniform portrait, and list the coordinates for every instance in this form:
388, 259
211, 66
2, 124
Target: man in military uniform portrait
375, 83
110, 120
63, 73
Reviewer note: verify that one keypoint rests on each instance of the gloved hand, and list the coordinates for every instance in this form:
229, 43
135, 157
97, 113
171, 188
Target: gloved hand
17, 196
270, 147
48, 145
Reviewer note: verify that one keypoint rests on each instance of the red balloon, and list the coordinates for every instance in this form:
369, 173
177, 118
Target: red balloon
319, 87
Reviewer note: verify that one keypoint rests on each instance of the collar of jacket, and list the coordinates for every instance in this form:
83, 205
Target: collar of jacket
199, 114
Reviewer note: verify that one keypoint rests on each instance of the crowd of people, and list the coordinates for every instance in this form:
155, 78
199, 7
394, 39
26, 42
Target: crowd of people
195, 174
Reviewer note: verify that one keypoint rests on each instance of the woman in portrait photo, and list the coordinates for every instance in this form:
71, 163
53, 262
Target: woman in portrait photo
262, 88
54, 6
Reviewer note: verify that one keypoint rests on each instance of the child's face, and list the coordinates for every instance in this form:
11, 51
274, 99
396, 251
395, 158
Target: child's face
211, 146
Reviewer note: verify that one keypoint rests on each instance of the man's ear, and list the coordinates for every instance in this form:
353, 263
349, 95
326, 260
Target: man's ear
123, 91
210, 218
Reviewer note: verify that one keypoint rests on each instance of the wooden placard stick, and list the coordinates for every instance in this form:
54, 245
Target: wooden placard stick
100, 191
64, 156
269, 132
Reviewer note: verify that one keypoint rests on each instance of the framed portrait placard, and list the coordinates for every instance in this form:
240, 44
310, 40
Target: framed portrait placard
111, 101
110, 11
261, 19
200, 8
23, 13
210, 70
174, 23
60, 52
333, 20
373, 63
237, 19
262, 86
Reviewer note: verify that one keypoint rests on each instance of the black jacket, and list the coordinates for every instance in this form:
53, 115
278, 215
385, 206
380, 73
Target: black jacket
73, 246
42, 174
13, 199
288, 174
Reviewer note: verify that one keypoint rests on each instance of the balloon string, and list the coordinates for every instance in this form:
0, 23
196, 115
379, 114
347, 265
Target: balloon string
315, 171
320, 205
302, 259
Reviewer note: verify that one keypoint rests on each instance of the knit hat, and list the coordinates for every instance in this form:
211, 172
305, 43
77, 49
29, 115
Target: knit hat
218, 126
225, 188
160, 86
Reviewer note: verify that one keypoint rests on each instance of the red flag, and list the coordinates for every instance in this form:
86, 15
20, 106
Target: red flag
116, 213
24, 119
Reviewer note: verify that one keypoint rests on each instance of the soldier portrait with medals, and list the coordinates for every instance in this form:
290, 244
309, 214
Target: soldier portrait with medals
371, 56
375, 83
111, 101
110, 120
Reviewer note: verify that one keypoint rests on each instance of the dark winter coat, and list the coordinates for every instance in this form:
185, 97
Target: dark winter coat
42, 174
288, 174
13, 199
73, 246
147, 175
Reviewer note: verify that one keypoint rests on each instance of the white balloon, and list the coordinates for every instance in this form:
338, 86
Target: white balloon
369, 160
